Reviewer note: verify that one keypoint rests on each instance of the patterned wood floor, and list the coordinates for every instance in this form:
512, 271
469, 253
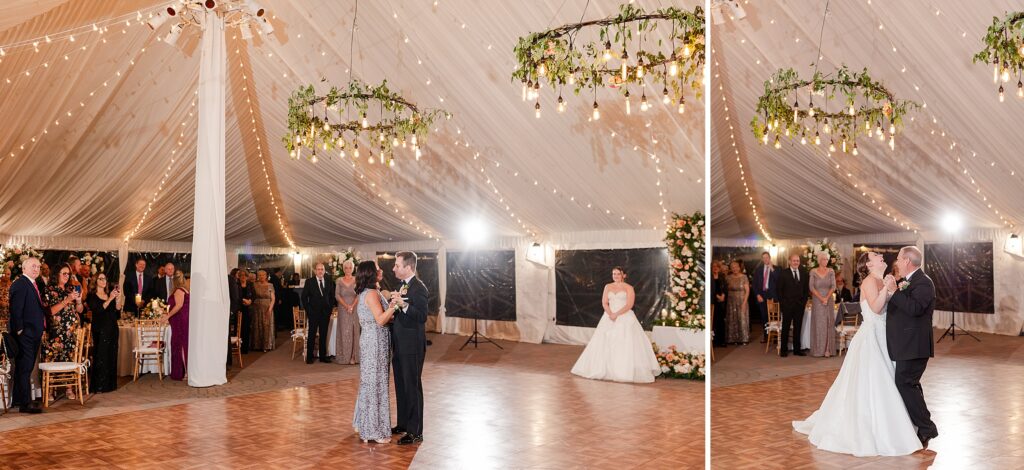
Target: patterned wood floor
517, 408
975, 392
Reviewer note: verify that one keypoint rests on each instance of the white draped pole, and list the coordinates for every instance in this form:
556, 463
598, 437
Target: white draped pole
208, 316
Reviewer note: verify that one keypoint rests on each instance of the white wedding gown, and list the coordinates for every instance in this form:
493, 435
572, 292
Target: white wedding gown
863, 414
619, 350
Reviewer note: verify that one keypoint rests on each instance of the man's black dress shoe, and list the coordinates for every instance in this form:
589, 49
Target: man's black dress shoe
799, 353
410, 439
783, 354
325, 361
309, 361
30, 409
397, 430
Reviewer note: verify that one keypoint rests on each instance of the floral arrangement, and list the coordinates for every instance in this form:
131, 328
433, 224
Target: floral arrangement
94, 262
336, 266
680, 365
14, 255
154, 310
810, 256
685, 240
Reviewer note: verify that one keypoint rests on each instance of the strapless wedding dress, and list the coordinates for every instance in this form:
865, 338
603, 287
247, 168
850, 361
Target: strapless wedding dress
619, 350
863, 414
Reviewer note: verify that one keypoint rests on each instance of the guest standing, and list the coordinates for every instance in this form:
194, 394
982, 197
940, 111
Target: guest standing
43, 279
765, 285
372, 417
246, 293
102, 302
719, 291
234, 308
318, 300
65, 303
263, 313
793, 293
347, 336
282, 316
823, 314
177, 317
137, 287
163, 287
738, 310
28, 321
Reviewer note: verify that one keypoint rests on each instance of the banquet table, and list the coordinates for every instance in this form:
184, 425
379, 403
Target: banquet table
126, 358
684, 339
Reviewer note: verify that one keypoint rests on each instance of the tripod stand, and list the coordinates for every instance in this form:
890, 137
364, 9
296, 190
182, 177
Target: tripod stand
475, 338
951, 331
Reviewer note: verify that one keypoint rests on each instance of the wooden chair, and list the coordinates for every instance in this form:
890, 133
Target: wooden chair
149, 345
298, 330
62, 374
774, 327
712, 323
849, 323
6, 365
236, 341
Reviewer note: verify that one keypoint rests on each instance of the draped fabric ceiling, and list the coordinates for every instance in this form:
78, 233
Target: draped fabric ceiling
920, 50
94, 173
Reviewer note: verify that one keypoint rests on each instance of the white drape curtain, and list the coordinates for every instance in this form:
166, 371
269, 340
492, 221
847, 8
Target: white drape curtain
208, 318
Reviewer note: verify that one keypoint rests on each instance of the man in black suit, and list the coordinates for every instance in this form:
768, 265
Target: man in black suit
793, 291
765, 285
908, 333
28, 321
163, 286
409, 341
136, 283
318, 300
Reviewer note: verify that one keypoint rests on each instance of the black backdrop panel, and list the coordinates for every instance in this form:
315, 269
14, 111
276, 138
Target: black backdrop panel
580, 277
888, 252
255, 262
482, 284
426, 269
967, 286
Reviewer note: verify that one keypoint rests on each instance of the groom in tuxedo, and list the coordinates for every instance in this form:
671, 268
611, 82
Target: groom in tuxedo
409, 340
318, 299
793, 291
908, 332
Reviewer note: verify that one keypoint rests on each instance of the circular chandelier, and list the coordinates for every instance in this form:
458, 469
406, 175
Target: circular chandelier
1004, 49
838, 108
398, 123
620, 56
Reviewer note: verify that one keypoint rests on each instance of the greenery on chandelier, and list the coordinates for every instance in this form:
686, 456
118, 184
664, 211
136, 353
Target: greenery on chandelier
397, 123
1004, 49
558, 57
833, 109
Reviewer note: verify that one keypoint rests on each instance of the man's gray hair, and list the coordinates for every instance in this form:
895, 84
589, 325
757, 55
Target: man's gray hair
24, 263
912, 254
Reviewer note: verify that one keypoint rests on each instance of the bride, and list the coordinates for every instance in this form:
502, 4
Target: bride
619, 350
863, 414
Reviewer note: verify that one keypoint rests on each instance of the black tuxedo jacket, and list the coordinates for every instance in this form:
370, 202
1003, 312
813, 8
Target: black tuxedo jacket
908, 328
131, 287
408, 331
160, 289
793, 293
316, 302
27, 311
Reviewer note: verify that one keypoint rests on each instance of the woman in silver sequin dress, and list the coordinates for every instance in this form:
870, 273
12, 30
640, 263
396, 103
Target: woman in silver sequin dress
372, 417
347, 334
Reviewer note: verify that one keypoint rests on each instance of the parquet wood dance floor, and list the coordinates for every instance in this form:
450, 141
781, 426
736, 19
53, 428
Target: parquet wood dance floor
975, 392
489, 408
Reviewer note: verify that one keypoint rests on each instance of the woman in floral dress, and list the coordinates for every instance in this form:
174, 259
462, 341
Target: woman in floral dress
65, 302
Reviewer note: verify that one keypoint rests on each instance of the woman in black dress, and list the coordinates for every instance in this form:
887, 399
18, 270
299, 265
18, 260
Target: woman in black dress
719, 293
247, 293
102, 302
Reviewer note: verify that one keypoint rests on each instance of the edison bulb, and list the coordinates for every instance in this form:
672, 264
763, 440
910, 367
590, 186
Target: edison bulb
561, 104
686, 50
365, 123
597, 112
572, 79
764, 139
817, 139
778, 144
643, 103
524, 92
536, 108
682, 105
673, 69
629, 108
832, 147
852, 111
803, 140
855, 149
664, 97
541, 69
1002, 97
1005, 76
892, 142
1020, 89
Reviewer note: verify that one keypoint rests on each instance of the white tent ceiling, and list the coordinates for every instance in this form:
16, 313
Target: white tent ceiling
920, 50
93, 174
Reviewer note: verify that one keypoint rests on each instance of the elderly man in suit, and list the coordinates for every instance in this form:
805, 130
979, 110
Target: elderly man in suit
318, 300
28, 321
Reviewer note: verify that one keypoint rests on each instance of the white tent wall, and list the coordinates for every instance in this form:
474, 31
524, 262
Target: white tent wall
1008, 275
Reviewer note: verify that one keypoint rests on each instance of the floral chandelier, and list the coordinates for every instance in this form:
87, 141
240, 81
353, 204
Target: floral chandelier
1004, 49
559, 58
849, 104
399, 123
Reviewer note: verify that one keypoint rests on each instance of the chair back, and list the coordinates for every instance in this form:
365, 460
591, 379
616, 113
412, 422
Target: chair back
774, 311
80, 334
298, 319
849, 313
149, 333
238, 328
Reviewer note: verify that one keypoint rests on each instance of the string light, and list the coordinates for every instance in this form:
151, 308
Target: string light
69, 34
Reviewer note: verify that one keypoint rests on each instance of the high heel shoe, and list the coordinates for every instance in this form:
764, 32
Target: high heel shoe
379, 441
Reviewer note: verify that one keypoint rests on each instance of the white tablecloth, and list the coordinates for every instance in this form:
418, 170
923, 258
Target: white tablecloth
684, 339
126, 358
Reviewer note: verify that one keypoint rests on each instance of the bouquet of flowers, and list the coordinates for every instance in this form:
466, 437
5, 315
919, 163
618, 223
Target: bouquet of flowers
155, 309
94, 262
680, 365
336, 265
810, 256
14, 255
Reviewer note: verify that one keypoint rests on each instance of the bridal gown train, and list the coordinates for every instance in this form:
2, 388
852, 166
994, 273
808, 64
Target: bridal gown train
619, 350
863, 414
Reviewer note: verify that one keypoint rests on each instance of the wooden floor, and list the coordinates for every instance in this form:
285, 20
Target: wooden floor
513, 408
975, 392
